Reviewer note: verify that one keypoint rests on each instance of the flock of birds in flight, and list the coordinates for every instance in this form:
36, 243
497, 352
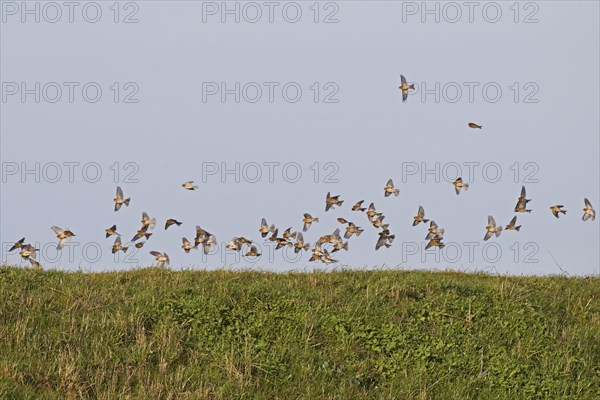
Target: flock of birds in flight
295, 240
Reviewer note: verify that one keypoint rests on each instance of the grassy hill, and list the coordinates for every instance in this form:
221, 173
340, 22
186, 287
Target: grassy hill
157, 334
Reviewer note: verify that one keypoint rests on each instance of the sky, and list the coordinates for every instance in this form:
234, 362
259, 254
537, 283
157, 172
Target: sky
268, 106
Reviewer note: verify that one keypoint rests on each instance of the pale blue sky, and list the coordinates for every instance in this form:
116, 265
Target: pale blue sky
369, 135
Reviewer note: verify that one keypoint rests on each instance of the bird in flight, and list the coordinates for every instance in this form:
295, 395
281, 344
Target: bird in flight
512, 225
300, 245
358, 206
522, 202
459, 184
170, 222
189, 185
111, 231
405, 87
308, 220
588, 211
265, 229
253, 252
557, 209
389, 189
118, 246
161, 258
142, 232
120, 200
491, 228
28, 252
147, 221
62, 235
17, 245
187, 246
331, 201
434, 231
420, 217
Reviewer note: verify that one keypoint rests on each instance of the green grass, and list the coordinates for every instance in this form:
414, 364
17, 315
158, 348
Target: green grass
157, 334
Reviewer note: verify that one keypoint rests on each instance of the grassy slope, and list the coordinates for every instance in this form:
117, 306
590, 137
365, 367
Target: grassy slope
153, 333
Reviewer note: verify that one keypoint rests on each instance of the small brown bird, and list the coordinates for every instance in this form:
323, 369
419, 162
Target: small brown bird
420, 217
17, 245
211, 241
111, 231
434, 231
119, 200
378, 223
474, 125
522, 202
142, 232
337, 246
300, 245
435, 242
161, 258
333, 238
189, 185
389, 189
287, 234
62, 235
556, 210
237, 242
308, 220
187, 246
27, 251
331, 201
265, 229
118, 246
139, 245
512, 225
281, 241
385, 239
352, 229
234, 244
253, 252
317, 253
170, 222
147, 221
405, 87
326, 258
202, 236
371, 212
342, 221
491, 229
358, 206
35, 264
588, 211
459, 184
